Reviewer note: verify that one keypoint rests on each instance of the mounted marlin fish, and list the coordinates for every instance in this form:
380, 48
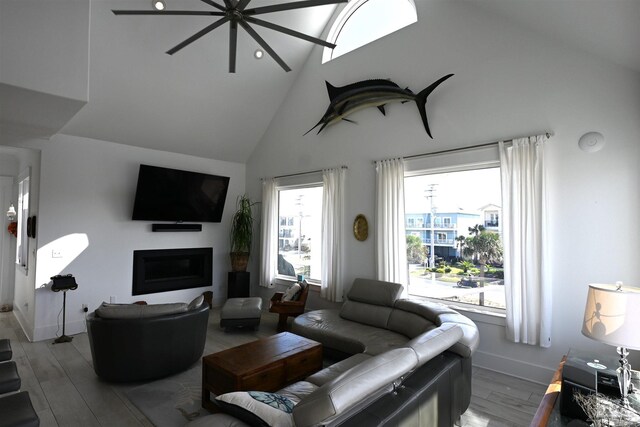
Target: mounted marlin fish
348, 99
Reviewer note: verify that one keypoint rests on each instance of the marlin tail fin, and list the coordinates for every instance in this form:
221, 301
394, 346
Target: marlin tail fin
317, 124
421, 101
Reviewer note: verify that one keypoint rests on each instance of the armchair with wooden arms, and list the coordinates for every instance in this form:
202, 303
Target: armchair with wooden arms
288, 308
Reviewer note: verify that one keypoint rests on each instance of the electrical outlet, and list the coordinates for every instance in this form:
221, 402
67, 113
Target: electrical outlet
56, 253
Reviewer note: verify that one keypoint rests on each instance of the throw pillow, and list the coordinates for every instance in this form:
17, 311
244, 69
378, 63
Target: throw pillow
258, 408
290, 293
197, 302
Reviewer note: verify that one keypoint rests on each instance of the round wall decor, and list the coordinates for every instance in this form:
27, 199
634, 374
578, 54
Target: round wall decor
360, 228
591, 142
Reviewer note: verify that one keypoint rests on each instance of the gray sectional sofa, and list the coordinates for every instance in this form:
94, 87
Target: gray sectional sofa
409, 364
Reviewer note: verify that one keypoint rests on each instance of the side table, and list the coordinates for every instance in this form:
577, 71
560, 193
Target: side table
548, 413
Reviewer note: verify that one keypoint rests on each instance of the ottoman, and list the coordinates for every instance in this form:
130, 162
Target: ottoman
241, 313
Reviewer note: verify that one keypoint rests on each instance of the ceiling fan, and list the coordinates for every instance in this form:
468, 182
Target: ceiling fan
236, 13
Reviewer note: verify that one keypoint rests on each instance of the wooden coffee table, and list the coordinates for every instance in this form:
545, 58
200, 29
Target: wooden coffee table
267, 364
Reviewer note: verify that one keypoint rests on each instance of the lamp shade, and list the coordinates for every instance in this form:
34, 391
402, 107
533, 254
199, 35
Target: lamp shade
612, 315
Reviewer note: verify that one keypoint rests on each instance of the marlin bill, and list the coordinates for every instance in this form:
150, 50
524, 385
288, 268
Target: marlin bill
346, 100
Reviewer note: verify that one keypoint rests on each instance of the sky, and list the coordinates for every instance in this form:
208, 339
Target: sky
468, 190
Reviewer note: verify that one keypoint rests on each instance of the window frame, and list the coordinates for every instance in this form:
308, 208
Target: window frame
473, 159
314, 183
341, 20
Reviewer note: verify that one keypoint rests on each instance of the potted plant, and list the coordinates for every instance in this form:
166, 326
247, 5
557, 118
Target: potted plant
241, 234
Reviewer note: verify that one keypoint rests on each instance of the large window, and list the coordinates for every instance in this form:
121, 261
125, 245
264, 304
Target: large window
363, 21
457, 258
299, 238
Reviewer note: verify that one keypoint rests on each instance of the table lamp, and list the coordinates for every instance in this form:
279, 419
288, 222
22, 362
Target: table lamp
612, 316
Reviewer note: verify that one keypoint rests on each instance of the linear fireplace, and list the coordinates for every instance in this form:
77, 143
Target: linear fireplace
162, 270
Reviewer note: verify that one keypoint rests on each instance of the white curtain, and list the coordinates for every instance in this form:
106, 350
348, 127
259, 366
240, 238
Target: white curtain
269, 233
391, 241
527, 287
332, 233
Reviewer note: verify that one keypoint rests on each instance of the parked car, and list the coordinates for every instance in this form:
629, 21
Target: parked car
467, 282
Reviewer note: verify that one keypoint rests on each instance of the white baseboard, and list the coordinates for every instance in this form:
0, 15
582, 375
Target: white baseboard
22, 321
516, 368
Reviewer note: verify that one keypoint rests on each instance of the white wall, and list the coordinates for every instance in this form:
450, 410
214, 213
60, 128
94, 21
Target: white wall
508, 82
87, 192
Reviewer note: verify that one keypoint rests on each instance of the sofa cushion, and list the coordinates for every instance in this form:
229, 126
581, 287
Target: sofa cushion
332, 372
298, 390
327, 327
434, 342
136, 311
353, 386
440, 314
376, 292
409, 324
374, 315
258, 408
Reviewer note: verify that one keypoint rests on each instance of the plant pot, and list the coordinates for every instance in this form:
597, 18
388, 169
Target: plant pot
239, 261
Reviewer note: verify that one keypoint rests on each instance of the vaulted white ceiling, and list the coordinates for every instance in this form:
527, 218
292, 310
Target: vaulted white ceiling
189, 103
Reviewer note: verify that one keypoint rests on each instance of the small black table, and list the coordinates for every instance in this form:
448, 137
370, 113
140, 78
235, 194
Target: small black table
548, 413
238, 284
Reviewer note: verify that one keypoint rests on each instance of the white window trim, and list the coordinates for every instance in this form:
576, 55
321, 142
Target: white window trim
339, 23
485, 158
281, 279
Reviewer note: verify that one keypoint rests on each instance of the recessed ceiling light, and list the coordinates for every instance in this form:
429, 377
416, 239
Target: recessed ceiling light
258, 54
158, 4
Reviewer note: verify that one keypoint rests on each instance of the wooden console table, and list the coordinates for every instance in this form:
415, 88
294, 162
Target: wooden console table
548, 414
266, 364
541, 418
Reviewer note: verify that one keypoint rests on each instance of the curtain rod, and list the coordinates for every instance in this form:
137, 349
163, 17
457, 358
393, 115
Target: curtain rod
471, 147
301, 173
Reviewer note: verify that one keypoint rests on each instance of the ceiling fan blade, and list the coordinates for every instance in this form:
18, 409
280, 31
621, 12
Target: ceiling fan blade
214, 4
242, 4
197, 35
289, 6
233, 44
288, 31
264, 45
167, 12
229, 4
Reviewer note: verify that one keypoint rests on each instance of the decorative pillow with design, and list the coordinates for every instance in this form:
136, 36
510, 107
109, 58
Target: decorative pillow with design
258, 408
290, 293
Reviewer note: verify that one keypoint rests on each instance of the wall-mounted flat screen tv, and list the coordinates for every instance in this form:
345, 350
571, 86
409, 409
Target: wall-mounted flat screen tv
166, 194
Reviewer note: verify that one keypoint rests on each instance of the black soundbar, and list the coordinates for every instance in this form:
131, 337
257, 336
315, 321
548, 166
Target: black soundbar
176, 227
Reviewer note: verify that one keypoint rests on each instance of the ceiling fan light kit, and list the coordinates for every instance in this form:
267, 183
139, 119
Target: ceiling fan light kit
235, 12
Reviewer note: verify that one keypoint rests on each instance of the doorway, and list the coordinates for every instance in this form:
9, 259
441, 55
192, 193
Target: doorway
7, 245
